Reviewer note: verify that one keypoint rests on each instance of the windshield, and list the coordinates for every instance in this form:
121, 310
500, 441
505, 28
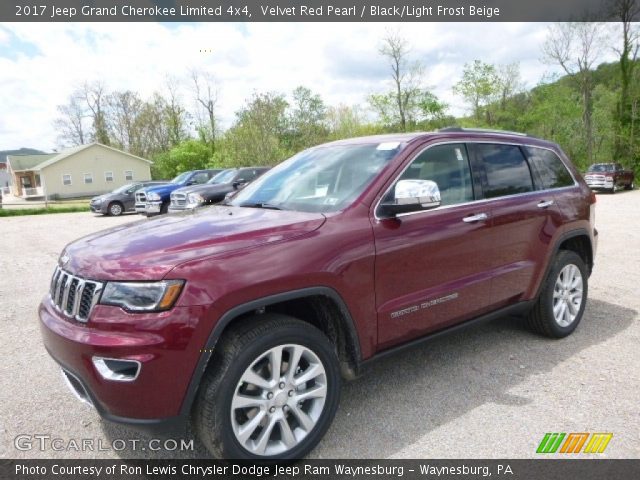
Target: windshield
601, 167
181, 178
126, 187
322, 179
224, 176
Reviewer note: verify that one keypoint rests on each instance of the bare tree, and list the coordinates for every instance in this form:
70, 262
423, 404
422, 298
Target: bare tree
206, 96
405, 73
176, 114
575, 47
124, 110
95, 97
71, 121
627, 13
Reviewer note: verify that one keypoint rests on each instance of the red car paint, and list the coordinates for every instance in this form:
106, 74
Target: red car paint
393, 275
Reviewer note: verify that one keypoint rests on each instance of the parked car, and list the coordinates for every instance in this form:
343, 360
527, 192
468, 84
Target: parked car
121, 200
215, 190
243, 318
155, 200
609, 176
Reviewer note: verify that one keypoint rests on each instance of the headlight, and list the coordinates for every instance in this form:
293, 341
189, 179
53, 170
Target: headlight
142, 296
153, 196
196, 198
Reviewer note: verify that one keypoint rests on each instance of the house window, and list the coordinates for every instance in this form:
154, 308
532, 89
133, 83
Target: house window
128, 175
66, 179
108, 176
88, 178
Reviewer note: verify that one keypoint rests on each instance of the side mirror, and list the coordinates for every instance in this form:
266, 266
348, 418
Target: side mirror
412, 196
239, 183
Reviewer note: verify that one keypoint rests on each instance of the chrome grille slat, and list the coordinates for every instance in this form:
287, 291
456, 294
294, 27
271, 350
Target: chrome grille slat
74, 296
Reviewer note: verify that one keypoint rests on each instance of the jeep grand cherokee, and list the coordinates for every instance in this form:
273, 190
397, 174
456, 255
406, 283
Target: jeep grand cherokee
243, 318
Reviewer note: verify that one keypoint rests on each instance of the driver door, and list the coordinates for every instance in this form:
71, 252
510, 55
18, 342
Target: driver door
431, 266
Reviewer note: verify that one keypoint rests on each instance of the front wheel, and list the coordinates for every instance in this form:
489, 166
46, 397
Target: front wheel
563, 297
115, 209
271, 392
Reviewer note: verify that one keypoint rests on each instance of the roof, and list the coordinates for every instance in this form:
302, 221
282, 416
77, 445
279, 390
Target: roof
28, 162
38, 162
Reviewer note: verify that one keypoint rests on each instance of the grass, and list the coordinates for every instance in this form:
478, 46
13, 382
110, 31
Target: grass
15, 212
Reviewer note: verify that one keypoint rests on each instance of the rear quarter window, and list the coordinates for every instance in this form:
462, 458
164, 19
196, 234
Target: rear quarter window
549, 170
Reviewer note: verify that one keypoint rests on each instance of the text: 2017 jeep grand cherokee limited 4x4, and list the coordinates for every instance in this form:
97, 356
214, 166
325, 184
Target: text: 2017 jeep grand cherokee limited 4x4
243, 318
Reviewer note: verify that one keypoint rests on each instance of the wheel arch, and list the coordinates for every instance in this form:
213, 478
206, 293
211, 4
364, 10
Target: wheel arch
578, 241
320, 306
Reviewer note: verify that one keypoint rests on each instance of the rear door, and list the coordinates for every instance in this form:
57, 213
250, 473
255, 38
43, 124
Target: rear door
431, 266
523, 219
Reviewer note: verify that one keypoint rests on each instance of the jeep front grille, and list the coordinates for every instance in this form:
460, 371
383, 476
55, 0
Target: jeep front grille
75, 297
141, 197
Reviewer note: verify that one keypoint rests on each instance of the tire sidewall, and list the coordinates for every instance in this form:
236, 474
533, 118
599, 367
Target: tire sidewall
307, 337
563, 259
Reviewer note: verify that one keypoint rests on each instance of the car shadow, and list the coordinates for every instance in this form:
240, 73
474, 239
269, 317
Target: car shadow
383, 407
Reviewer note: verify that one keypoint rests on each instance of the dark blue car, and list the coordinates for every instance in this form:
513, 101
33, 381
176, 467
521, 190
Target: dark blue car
155, 200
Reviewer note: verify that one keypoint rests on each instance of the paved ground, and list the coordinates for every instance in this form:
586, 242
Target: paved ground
491, 391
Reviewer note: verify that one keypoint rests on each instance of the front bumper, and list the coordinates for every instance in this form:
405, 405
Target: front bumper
98, 208
606, 183
149, 207
167, 346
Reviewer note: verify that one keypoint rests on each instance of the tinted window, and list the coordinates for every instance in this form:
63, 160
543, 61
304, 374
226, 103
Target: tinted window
448, 166
549, 169
248, 175
200, 177
506, 168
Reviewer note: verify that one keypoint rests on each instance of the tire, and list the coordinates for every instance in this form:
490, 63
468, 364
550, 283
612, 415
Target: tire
629, 185
567, 265
248, 352
115, 209
164, 208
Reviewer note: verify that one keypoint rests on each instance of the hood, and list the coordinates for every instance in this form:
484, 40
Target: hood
161, 189
149, 249
101, 198
207, 189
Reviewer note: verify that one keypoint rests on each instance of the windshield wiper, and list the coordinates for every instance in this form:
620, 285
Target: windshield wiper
260, 205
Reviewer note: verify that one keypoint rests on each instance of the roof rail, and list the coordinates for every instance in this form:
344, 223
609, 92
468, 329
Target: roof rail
482, 130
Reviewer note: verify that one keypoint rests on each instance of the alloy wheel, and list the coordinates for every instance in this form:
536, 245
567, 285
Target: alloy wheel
567, 295
279, 399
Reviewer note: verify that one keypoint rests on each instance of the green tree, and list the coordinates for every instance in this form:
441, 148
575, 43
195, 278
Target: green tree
479, 86
188, 155
307, 119
258, 137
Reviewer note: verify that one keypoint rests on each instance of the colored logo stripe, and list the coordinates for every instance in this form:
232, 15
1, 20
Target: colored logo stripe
550, 443
598, 442
574, 442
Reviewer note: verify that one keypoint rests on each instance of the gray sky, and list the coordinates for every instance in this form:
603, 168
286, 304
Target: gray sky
40, 64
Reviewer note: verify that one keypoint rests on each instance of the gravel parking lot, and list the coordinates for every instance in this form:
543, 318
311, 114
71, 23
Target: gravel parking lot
491, 391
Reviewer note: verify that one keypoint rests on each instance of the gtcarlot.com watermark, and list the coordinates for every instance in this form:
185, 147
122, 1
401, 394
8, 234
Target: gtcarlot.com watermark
43, 443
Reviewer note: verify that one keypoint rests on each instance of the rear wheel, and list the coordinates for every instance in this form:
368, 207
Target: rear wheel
563, 297
115, 209
164, 208
629, 185
271, 393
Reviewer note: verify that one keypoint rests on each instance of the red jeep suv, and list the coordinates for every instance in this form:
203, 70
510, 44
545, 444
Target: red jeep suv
243, 318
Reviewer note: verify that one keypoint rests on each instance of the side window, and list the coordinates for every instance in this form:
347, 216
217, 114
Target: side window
200, 177
548, 168
248, 175
506, 168
448, 166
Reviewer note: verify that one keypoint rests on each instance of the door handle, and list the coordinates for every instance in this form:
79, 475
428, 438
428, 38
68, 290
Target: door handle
475, 218
545, 203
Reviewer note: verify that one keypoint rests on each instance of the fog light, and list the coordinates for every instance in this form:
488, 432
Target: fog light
117, 370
